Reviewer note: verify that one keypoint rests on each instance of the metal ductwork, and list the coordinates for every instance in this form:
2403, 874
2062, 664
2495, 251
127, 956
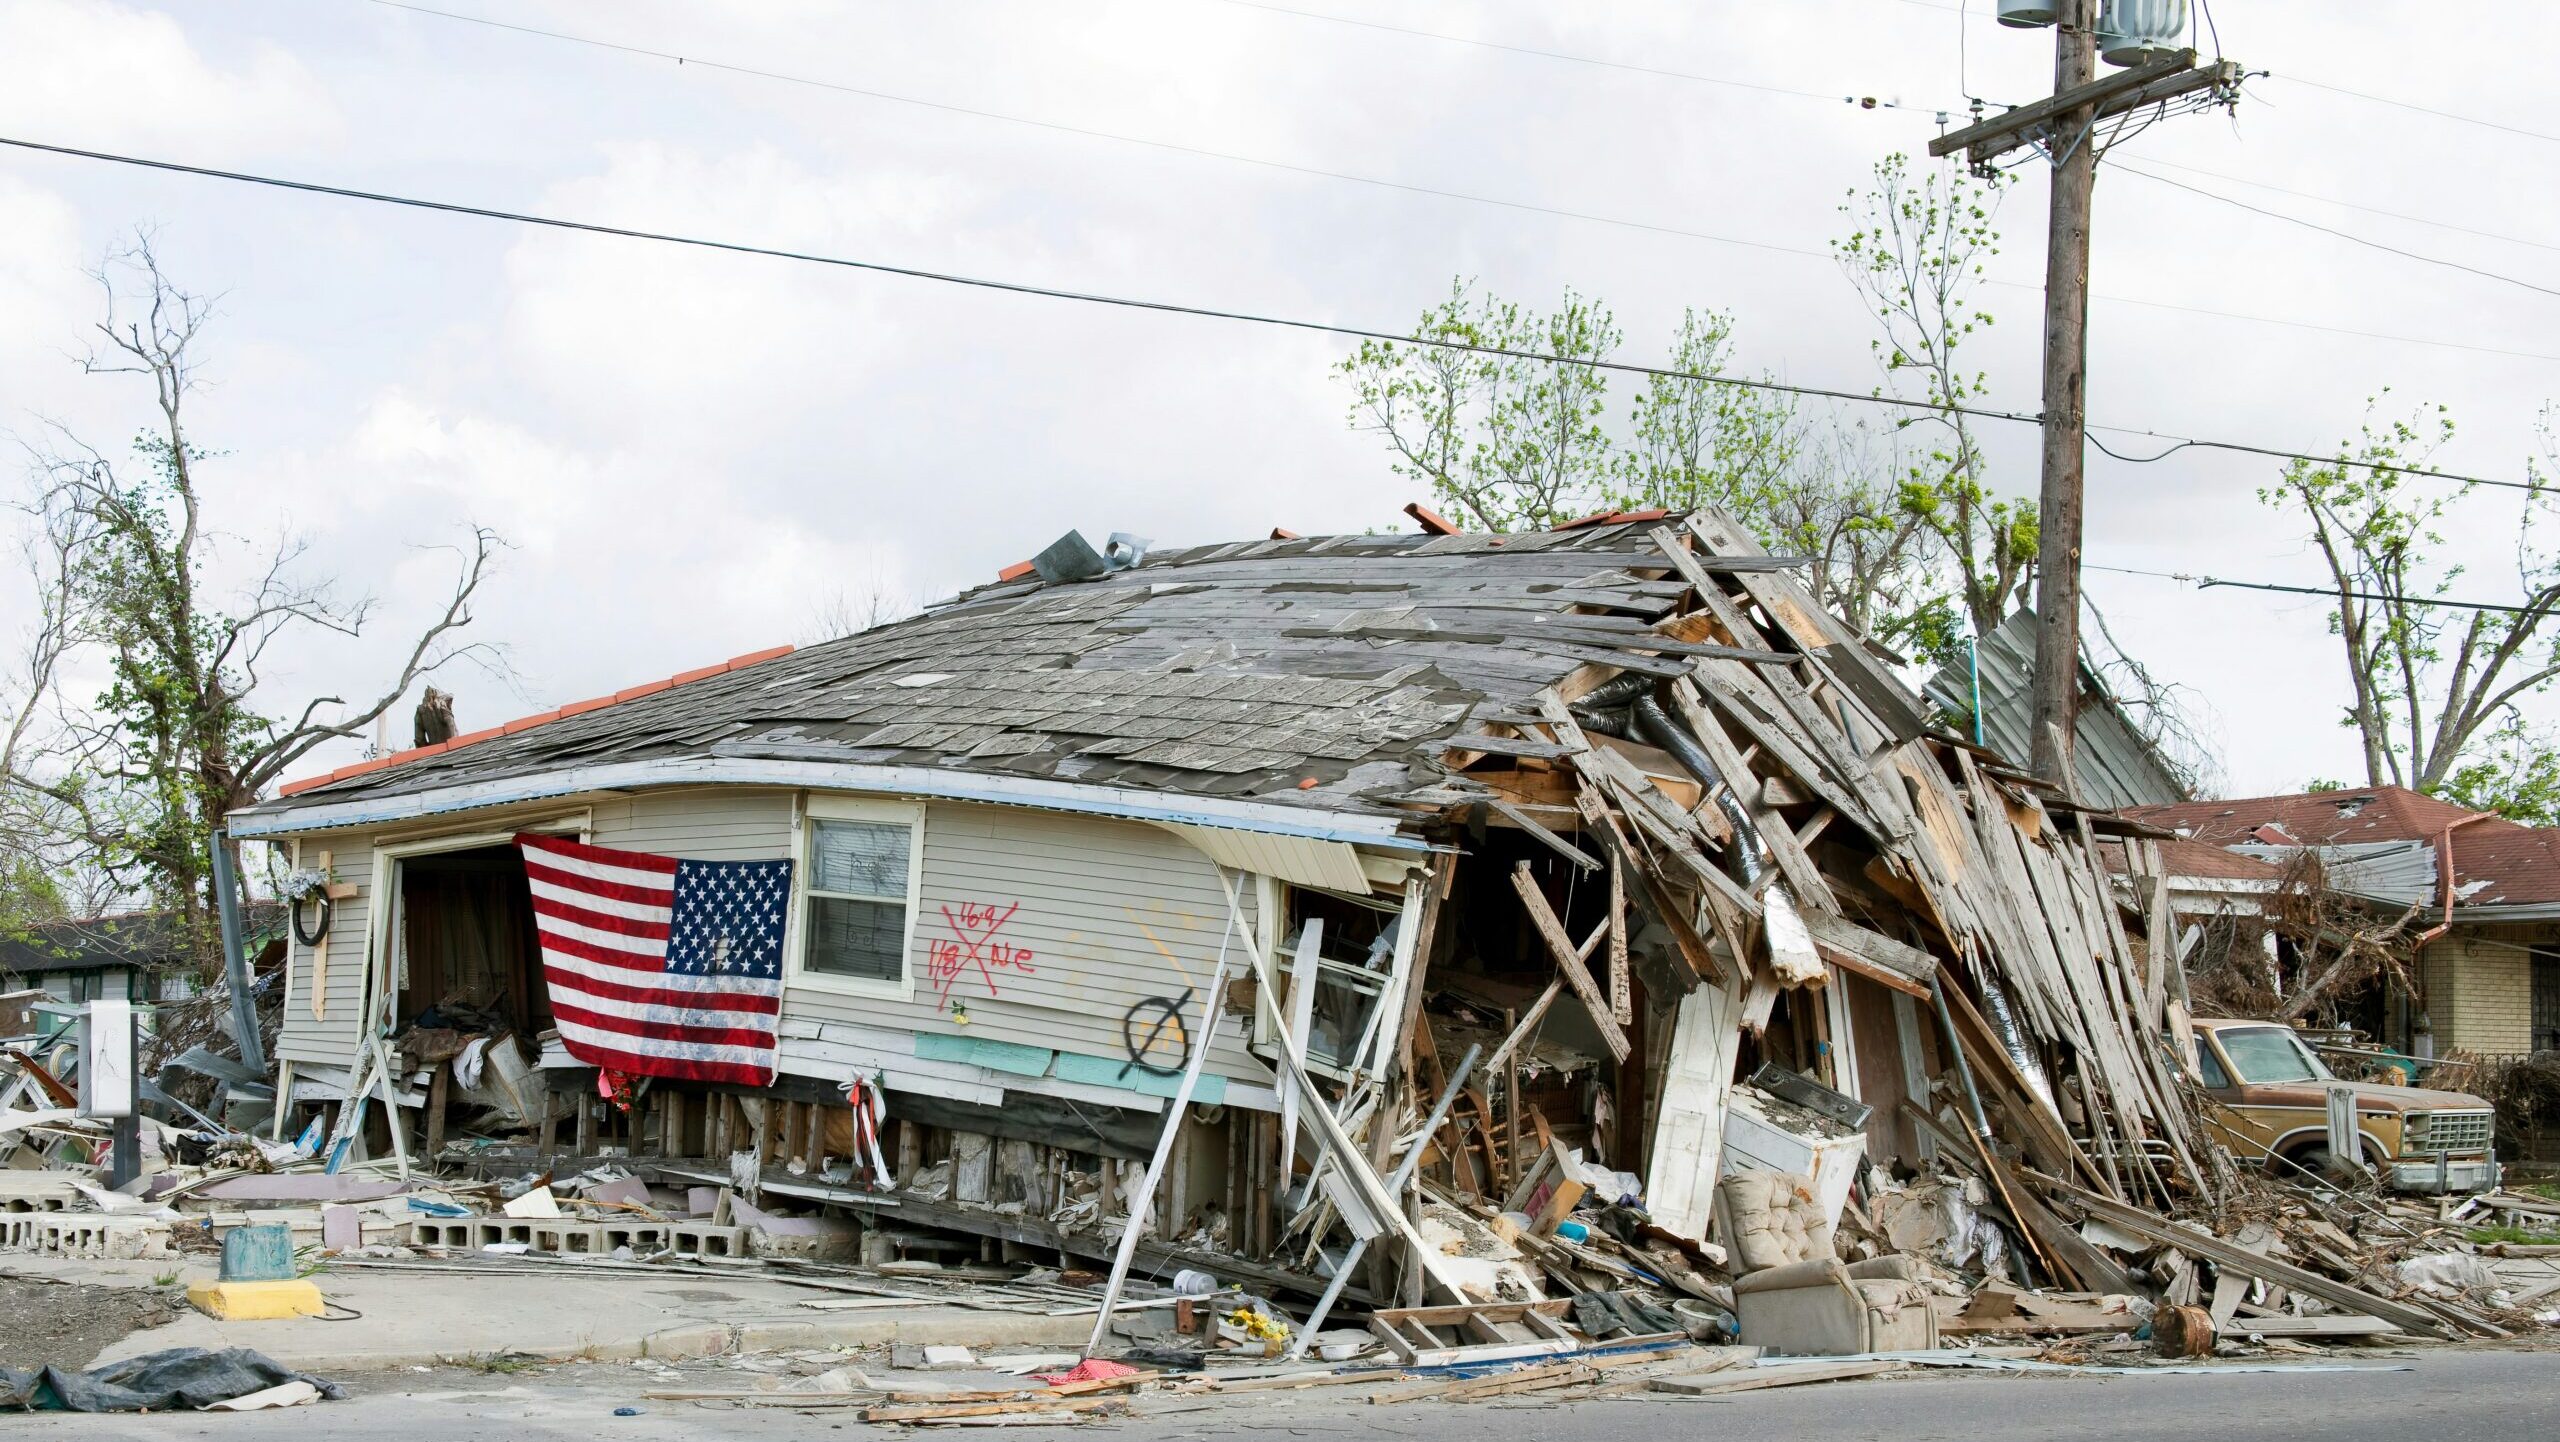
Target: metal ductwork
1790, 940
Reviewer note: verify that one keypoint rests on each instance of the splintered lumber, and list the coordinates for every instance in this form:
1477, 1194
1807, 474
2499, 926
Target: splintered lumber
1560, 945
1542, 1377
1759, 1378
2221, 1253
2334, 1324
952, 1411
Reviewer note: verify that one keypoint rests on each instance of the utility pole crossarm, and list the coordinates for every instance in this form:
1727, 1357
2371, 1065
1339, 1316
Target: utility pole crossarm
2122, 93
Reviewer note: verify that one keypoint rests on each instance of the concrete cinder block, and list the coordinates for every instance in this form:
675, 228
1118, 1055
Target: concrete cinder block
701, 1239
87, 1235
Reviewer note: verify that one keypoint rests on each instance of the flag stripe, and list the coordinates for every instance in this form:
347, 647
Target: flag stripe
606, 895
597, 921
658, 966
576, 854
598, 1049
601, 987
751, 1038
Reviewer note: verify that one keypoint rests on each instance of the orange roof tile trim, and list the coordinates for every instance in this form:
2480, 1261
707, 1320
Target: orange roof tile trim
527, 723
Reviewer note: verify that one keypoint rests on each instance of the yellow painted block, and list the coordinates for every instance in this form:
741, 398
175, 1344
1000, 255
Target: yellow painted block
256, 1301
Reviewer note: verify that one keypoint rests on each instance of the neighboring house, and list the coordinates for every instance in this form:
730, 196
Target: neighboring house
2113, 764
137, 956
2487, 889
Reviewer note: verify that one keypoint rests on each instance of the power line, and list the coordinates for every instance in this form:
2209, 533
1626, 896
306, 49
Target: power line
2207, 583
1410, 188
2323, 329
1014, 287
1091, 133
2181, 444
2423, 109
1206, 312
1863, 101
2349, 236
2351, 204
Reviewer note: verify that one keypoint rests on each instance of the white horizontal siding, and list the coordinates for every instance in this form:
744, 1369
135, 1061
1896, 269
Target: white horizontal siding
1113, 913
332, 1040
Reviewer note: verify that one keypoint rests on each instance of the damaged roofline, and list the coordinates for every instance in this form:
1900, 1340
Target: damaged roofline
932, 783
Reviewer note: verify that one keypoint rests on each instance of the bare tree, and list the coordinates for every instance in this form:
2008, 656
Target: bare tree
849, 611
143, 774
2435, 691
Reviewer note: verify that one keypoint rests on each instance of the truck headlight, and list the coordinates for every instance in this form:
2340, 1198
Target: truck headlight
2413, 1130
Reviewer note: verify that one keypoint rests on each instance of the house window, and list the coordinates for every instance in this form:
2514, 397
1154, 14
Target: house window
2546, 1000
859, 877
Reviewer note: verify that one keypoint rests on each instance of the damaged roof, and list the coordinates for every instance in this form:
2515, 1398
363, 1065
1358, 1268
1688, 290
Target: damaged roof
2496, 862
2113, 764
1324, 671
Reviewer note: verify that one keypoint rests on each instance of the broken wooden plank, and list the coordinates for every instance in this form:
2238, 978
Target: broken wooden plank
1872, 954
1552, 841
1759, 1378
1560, 946
2331, 1324
2221, 1253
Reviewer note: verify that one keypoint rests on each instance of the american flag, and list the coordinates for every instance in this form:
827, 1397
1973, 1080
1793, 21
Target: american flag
661, 967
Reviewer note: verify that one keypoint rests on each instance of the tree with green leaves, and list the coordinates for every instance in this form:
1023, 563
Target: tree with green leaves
135, 779
2436, 692
1917, 248
1507, 443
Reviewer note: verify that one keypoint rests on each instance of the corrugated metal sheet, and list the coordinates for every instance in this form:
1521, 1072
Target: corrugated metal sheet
2114, 766
2397, 871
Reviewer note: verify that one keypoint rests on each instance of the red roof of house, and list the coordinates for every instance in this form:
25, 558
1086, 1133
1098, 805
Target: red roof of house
2309, 818
2496, 862
526, 723
2198, 861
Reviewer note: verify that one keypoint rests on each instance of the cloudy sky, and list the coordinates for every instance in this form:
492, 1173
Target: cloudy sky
692, 452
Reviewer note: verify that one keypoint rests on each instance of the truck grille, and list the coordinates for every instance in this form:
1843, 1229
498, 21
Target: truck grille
2456, 1132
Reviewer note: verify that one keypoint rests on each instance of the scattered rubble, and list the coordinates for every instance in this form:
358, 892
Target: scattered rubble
1743, 1023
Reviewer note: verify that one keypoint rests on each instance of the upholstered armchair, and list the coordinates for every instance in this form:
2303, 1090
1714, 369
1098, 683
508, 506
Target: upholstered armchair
1792, 1293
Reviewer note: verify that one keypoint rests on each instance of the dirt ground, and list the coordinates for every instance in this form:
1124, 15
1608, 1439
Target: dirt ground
66, 1324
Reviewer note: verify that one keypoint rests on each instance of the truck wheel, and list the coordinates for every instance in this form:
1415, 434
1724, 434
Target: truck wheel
2320, 1162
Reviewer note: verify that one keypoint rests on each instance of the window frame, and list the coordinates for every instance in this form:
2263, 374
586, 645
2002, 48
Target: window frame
804, 833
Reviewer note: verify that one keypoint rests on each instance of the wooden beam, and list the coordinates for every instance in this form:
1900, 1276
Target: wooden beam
1560, 946
1553, 842
2112, 95
2221, 1253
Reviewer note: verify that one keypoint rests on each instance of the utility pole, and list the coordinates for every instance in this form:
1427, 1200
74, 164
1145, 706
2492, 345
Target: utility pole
2066, 399
2065, 125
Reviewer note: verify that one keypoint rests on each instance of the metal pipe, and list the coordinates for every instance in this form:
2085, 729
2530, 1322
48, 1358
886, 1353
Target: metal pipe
1973, 671
1783, 927
1211, 1007
1955, 1051
1655, 725
235, 961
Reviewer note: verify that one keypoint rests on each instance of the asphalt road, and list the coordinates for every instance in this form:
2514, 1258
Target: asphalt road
2470, 1396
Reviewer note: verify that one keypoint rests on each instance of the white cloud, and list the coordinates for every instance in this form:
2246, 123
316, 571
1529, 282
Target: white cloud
80, 72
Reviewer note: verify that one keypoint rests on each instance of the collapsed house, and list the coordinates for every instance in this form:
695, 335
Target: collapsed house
1606, 834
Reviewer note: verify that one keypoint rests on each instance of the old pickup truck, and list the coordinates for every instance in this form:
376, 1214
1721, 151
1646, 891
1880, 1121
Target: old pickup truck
2270, 1096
